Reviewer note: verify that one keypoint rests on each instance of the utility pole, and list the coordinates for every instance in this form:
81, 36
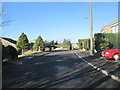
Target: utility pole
91, 29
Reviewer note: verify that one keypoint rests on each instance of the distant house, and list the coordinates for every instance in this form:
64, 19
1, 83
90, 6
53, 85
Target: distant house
32, 41
47, 48
111, 28
75, 46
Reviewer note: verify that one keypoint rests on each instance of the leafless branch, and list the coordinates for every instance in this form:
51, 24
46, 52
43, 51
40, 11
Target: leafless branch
3, 17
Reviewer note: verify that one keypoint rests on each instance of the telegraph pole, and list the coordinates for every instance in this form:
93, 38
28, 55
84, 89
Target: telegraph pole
91, 29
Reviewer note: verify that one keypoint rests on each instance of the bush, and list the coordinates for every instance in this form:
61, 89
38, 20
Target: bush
113, 38
105, 41
12, 52
84, 43
4, 52
9, 53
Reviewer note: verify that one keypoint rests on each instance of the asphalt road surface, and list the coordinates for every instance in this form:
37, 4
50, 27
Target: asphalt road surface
59, 69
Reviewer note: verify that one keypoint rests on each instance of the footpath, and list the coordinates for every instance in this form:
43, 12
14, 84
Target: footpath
108, 67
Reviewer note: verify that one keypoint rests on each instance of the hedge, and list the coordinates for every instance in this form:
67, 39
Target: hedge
105, 41
84, 43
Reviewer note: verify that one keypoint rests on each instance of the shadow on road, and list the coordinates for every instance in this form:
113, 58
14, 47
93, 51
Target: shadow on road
56, 71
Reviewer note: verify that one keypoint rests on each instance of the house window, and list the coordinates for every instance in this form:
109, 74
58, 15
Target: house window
115, 29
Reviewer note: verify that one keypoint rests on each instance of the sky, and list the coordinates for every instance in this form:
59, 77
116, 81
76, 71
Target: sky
57, 20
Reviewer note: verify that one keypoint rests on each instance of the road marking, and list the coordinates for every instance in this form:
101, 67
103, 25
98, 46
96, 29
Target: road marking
99, 69
30, 57
59, 60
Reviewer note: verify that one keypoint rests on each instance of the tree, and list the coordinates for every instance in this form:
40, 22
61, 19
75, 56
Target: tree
101, 43
56, 43
67, 44
22, 43
4, 20
70, 45
39, 44
65, 41
52, 44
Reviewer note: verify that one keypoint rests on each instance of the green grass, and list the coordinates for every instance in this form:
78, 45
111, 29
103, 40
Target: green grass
66, 47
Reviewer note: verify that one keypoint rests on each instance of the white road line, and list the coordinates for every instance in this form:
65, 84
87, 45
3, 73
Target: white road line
99, 69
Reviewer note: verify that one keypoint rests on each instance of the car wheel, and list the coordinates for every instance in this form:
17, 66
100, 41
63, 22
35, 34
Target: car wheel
116, 57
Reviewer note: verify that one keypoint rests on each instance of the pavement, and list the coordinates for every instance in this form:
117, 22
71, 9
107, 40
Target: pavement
60, 69
109, 65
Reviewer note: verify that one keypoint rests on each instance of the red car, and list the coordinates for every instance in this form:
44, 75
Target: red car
113, 53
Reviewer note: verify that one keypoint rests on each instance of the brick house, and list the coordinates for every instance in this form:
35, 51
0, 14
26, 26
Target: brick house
111, 28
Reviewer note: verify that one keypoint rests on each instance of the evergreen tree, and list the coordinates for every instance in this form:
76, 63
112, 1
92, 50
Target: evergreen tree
56, 43
101, 43
52, 43
22, 42
39, 44
67, 44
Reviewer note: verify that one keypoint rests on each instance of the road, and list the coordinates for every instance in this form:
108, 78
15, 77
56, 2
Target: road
60, 69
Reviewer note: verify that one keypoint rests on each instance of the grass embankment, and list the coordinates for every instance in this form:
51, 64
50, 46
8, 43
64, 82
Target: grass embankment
28, 53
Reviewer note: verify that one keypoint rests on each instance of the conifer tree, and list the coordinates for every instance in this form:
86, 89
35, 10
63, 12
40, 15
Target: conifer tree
22, 42
39, 44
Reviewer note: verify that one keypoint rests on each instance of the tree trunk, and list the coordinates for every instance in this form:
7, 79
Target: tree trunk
22, 51
39, 48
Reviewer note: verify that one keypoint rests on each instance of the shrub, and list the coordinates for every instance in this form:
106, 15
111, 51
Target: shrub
12, 52
84, 43
4, 52
105, 41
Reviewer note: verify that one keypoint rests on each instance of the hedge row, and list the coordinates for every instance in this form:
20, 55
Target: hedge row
84, 43
101, 41
106, 41
112, 38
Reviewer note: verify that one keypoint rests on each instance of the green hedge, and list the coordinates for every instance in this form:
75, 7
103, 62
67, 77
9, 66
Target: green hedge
105, 41
84, 43
112, 38
101, 41
65, 46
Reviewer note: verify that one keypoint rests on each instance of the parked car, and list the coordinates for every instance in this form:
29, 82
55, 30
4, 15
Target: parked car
113, 53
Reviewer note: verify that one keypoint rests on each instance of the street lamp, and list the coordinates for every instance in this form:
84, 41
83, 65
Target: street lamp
91, 29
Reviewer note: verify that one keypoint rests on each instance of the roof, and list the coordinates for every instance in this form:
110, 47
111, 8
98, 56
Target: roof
7, 43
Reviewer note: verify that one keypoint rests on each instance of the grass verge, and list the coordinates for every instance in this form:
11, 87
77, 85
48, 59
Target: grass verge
28, 53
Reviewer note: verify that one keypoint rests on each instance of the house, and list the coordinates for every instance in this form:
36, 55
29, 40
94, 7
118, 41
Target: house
8, 41
111, 28
75, 46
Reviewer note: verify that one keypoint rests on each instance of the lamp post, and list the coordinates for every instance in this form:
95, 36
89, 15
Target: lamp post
91, 29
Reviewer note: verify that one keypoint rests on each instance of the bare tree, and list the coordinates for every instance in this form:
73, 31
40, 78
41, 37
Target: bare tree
4, 20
